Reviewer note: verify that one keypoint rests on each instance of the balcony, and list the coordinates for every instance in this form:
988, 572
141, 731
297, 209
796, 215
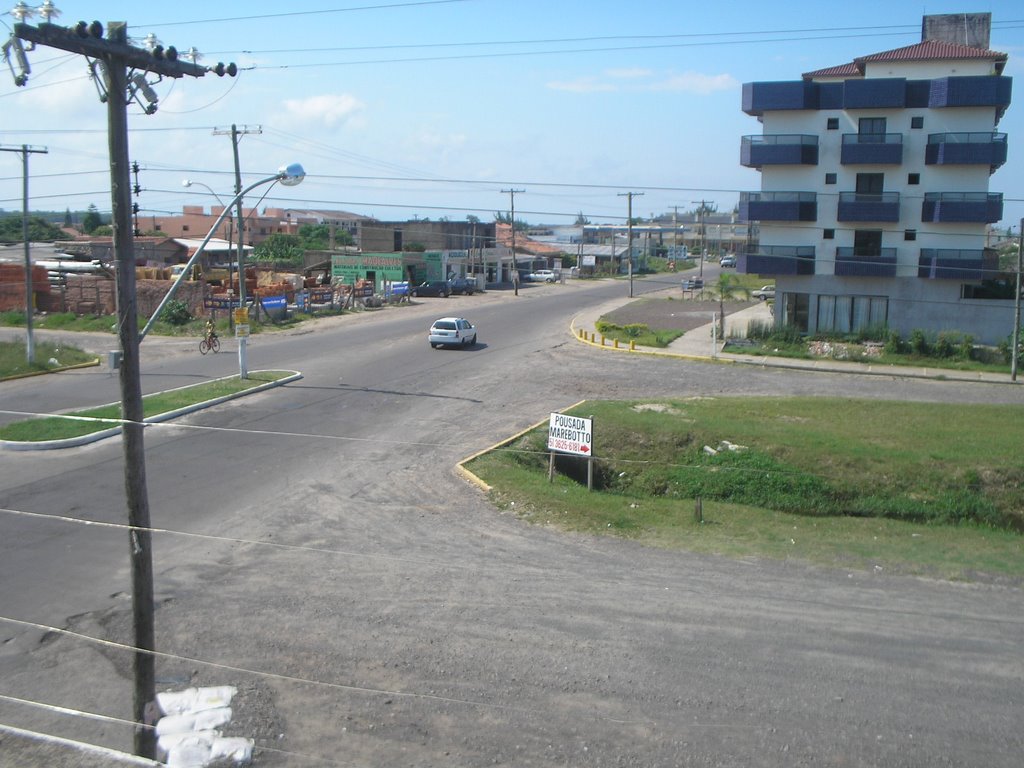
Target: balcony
971, 91
778, 206
759, 98
872, 148
954, 264
875, 93
781, 149
777, 260
874, 206
969, 207
854, 262
966, 149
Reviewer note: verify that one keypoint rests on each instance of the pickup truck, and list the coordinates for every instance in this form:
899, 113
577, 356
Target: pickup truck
542, 276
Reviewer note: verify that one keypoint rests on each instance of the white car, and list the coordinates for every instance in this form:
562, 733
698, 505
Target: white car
543, 276
764, 293
452, 332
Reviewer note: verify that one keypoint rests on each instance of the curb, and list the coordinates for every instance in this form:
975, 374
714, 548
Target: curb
934, 374
93, 437
29, 374
460, 468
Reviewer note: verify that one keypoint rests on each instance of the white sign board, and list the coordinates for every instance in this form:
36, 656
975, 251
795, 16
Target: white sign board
570, 434
588, 260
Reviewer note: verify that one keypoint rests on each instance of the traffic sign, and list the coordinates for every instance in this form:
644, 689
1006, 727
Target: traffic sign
570, 434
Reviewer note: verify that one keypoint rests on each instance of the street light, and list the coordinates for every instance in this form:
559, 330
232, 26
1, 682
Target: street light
231, 222
289, 176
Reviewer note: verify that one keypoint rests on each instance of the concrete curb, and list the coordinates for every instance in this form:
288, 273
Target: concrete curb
579, 332
74, 442
76, 366
460, 468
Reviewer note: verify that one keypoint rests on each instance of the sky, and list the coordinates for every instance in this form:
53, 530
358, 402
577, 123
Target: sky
436, 108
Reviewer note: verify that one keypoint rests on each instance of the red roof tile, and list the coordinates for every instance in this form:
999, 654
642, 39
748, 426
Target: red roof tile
929, 50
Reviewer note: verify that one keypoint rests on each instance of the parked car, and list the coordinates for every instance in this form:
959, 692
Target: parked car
462, 285
728, 261
452, 332
764, 293
542, 276
433, 288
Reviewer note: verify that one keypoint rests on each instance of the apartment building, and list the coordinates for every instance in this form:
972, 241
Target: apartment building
874, 203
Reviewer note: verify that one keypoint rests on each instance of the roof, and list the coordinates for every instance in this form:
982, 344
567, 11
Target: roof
928, 50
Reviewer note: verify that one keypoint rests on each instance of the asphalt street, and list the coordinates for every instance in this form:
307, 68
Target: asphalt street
316, 549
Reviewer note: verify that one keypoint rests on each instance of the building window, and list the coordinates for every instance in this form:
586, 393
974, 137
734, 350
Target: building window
871, 130
913, 178
832, 124
830, 178
184, 228
910, 234
828, 234
870, 183
917, 122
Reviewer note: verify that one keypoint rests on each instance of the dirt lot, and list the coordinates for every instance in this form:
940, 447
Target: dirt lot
663, 314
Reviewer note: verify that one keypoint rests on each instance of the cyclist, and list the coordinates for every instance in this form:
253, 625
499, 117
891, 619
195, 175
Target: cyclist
211, 332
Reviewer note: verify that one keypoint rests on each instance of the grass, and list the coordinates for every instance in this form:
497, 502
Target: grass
46, 356
639, 333
62, 428
906, 487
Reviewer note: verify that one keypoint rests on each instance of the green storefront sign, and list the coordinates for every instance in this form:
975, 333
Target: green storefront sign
349, 267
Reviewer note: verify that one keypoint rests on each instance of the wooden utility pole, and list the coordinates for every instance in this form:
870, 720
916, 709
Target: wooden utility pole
512, 215
1015, 352
24, 150
629, 234
112, 57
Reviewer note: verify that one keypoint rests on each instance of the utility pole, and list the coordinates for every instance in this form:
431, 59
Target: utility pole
700, 226
25, 151
119, 70
515, 265
629, 234
1015, 353
235, 133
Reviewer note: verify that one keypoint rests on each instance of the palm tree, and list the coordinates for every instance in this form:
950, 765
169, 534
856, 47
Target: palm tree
726, 287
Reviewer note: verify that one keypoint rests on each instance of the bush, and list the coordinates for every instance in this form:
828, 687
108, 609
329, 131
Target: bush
919, 343
177, 313
894, 343
635, 330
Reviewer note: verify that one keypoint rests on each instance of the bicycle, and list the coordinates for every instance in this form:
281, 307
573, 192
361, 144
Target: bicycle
210, 341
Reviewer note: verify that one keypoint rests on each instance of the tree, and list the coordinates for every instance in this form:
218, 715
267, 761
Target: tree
281, 249
725, 287
471, 219
68, 222
581, 220
91, 220
39, 230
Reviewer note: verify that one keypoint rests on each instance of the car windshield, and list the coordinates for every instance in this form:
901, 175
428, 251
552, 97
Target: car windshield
444, 325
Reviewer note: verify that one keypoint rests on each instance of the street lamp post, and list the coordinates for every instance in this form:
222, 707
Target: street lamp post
231, 221
289, 176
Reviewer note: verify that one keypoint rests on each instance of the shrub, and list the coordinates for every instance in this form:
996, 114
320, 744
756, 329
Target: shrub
635, 330
894, 343
919, 342
176, 312
944, 345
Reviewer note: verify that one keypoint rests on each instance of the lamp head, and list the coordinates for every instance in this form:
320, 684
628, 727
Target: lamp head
291, 175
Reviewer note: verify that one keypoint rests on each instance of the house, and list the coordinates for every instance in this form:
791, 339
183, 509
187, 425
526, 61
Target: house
874, 204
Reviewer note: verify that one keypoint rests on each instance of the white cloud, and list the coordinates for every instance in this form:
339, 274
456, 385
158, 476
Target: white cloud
329, 110
582, 85
696, 82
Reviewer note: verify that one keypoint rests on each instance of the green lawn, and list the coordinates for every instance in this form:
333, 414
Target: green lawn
907, 487
98, 419
46, 356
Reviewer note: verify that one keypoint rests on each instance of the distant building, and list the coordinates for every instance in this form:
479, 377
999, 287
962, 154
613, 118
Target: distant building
874, 204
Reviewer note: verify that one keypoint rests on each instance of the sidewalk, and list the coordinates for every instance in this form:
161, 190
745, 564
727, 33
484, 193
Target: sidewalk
698, 344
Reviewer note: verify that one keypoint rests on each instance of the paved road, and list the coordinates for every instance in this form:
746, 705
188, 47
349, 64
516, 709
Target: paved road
397, 618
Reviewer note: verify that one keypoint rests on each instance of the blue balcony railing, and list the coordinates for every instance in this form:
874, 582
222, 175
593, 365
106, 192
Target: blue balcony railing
875, 93
777, 260
875, 206
779, 149
966, 149
872, 148
972, 207
957, 264
778, 206
854, 262
970, 91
